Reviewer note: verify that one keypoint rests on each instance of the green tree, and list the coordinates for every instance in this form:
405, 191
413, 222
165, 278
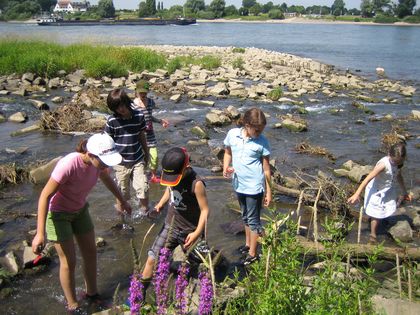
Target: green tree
267, 7
218, 8
338, 7
143, 10
255, 9
405, 7
151, 4
21, 9
195, 5
366, 8
380, 6
276, 14
231, 10
46, 5
247, 4
283, 7
106, 8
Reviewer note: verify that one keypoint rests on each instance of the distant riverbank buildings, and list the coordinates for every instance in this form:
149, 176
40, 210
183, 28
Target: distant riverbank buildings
68, 6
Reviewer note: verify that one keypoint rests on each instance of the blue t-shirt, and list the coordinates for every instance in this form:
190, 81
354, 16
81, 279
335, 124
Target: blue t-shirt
247, 154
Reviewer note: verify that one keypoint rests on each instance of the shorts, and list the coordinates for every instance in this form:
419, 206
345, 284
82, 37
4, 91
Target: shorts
124, 174
251, 211
153, 153
61, 226
171, 241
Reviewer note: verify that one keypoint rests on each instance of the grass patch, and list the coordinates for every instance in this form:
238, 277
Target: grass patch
46, 59
238, 50
275, 94
210, 62
238, 63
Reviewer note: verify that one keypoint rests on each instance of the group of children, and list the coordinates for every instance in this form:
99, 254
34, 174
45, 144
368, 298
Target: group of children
129, 146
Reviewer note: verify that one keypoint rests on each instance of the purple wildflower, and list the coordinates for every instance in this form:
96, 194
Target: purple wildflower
161, 281
181, 284
136, 293
206, 294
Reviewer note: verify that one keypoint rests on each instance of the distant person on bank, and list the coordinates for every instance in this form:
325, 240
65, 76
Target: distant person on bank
63, 212
146, 105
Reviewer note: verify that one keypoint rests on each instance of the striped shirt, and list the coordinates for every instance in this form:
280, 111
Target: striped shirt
148, 117
126, 134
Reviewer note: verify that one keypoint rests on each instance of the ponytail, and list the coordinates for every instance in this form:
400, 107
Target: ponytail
81, 147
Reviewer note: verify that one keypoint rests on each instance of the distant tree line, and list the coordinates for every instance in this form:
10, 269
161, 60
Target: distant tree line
23, 9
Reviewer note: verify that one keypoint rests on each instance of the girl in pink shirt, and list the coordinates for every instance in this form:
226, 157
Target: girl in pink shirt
63, 211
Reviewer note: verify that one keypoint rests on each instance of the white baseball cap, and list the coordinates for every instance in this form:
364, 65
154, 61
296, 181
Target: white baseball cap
103, 146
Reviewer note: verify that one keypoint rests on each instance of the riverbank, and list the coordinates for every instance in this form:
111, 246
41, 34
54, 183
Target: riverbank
294, 20
300, 20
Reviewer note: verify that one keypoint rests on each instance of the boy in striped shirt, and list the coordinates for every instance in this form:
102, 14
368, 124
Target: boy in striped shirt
127, 127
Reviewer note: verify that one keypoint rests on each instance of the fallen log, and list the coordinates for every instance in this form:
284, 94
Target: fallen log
388, 253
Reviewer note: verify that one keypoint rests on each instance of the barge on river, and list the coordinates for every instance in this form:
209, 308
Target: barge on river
143, 21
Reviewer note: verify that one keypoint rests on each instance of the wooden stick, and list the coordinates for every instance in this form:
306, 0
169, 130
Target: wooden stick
267, 265
315, 210
410, 289
359, 228
298, 211
399, 274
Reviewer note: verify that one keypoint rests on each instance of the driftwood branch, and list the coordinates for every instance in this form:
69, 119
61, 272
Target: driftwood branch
388, 253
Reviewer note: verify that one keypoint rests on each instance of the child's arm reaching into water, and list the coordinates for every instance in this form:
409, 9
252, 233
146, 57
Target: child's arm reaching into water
200, 193
405, 195
356, 196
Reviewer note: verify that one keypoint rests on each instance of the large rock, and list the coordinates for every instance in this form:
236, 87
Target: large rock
39, 104
9, 263
232, 112
200, 132
19, 117
394, 306
294, 125
42, 173
76, 78
217, 118
358, 172
402, 231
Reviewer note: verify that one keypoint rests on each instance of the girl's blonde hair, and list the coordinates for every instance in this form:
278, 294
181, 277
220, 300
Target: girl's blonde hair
253, 117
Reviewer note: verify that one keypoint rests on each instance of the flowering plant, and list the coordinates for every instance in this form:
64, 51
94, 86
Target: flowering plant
136, 293
161, 281
206, 293
181, 284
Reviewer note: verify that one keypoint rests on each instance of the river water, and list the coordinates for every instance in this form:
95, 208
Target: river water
355, 47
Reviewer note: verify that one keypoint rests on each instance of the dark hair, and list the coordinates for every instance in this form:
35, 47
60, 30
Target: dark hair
398, 151
253, 117
116, 98
81, 147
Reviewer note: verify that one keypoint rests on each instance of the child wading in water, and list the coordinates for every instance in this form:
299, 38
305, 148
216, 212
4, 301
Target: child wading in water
145, 105
126, 126
249, 152
188, 208
63, 212
380, 193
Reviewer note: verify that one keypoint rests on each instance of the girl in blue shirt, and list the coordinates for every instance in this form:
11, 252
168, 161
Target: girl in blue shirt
249, 152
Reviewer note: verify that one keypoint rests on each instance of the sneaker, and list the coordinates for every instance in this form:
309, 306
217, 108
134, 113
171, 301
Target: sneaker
75, 311
244, 249
154, 179
249, 260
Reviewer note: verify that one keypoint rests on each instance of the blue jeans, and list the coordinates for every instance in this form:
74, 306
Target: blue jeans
251, 210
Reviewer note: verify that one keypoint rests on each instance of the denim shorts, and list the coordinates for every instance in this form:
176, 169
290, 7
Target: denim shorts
251, 211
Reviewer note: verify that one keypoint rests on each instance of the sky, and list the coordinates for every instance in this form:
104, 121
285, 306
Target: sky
133, 4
